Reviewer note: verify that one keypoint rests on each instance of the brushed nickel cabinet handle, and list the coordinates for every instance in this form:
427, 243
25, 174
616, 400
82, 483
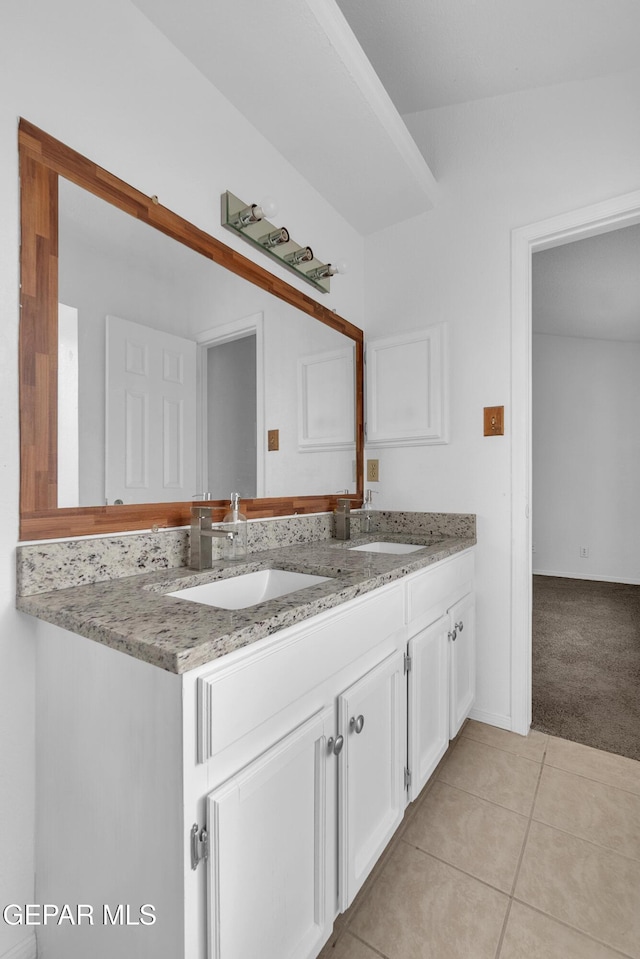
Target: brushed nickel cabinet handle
357, 724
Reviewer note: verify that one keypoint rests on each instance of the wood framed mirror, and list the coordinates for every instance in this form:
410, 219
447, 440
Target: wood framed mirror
44, 164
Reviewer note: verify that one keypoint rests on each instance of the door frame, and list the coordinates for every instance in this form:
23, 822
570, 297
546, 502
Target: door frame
252, 325
579, 224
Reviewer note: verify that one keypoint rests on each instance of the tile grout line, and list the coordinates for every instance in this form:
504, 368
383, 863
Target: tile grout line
589, 842
509, 752
450, 865
490, 802
393, 843
576, 929
520, 858
590, 779
505, 752
383, 955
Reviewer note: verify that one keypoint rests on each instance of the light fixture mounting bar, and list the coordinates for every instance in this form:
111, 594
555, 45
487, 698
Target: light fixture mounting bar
289, 254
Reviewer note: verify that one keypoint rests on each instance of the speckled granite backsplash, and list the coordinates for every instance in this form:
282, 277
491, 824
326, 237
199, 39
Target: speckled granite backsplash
425, 524
47, 566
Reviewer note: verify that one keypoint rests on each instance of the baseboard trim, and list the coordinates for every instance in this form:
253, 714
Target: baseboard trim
27, 949
591, 577
491, 719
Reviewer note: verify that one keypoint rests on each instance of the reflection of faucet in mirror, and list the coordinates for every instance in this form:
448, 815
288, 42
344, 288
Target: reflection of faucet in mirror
343, 519
367, 507
202, 533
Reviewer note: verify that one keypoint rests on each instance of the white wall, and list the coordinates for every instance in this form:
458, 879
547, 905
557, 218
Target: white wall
98, 77
501, 163
586, 457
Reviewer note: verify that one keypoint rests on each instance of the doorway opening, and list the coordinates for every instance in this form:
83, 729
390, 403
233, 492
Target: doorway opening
231, 409
231, 417
585, 476
580, 224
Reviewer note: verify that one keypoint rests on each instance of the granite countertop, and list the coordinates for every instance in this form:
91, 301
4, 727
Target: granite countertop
133, 615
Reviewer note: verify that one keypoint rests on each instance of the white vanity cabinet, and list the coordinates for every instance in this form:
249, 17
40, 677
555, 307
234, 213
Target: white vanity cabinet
276, 827
295, 830
441, 648
287, 760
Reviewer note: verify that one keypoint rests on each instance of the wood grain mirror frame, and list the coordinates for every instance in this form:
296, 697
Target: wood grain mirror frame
42, 160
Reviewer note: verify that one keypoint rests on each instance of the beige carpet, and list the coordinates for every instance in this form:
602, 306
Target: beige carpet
586, 662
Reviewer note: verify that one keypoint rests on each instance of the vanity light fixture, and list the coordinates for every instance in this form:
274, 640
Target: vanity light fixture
250, 222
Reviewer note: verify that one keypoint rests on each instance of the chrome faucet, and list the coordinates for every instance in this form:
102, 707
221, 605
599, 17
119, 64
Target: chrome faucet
343, 519
202, 532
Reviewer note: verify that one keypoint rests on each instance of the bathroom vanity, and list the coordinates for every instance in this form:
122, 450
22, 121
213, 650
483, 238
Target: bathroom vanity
241, 771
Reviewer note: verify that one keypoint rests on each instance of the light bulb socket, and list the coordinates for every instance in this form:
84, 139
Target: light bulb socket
322, 272
247, 216
275, 238
303, 255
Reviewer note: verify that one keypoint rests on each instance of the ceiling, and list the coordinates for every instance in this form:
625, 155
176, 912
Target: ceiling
589, 287
434, 53
296, 72
326, 81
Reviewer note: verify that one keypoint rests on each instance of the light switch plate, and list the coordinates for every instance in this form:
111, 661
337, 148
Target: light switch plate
273, 440
494, 421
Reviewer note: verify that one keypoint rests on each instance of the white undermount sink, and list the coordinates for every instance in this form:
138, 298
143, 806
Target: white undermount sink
248, 589
387, 548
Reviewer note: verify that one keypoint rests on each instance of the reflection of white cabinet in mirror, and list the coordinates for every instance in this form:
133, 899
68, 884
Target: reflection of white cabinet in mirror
326, 411
113, 264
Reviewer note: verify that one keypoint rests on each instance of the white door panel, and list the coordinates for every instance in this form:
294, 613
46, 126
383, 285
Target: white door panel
428, 708
272, 829
463, 662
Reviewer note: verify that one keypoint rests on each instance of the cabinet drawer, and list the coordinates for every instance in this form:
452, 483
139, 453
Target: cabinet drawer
236, 698
431, 591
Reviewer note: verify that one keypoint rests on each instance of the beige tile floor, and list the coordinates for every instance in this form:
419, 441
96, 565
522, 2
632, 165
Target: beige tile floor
517, 848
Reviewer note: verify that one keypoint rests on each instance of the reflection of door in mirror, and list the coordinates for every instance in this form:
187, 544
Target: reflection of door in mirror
150, 405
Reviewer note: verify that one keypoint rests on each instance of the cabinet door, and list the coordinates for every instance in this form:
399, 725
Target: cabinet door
463, 662
271, 867
428, 703
372, 719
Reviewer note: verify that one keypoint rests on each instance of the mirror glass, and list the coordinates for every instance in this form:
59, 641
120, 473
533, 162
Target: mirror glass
180, 379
